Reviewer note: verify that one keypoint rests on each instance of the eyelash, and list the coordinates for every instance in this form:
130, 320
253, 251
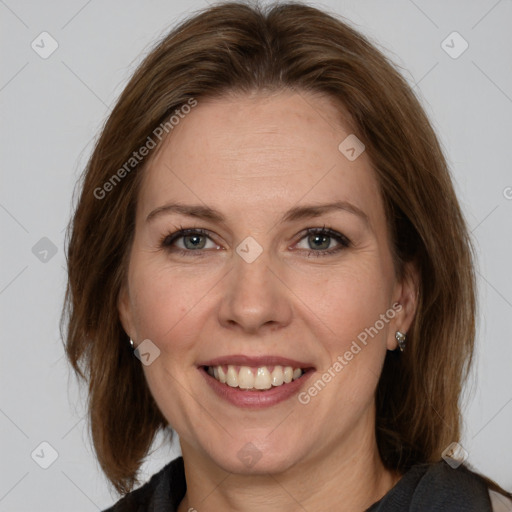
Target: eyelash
167, 241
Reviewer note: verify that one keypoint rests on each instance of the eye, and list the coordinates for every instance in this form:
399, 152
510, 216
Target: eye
188, 240
320, 241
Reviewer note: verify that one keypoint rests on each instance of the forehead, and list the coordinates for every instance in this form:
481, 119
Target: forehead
260, 154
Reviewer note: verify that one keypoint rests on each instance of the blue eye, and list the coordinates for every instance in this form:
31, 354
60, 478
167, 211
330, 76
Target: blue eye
195, 240
319, 241
192, 240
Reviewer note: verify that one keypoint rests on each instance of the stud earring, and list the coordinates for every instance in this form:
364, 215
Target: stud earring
400, 337
131, 343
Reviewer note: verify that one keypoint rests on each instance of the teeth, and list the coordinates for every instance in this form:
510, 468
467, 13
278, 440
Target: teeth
262, 380
232, 377
245, 377
277, 376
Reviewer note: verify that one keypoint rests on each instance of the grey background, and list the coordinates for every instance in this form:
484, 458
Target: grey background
51, 109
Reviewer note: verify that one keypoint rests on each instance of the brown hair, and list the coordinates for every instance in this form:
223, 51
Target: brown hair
234, 47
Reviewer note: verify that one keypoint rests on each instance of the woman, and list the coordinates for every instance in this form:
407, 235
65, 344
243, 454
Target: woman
268, 256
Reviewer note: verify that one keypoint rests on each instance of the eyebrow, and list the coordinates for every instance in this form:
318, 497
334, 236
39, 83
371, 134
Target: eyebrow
294, 214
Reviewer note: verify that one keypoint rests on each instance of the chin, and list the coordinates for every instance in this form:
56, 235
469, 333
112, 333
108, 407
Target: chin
257, 458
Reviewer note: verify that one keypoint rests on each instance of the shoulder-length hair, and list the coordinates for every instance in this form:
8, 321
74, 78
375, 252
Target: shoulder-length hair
241, 48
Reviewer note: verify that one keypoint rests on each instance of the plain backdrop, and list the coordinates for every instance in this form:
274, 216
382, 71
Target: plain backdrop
52, 108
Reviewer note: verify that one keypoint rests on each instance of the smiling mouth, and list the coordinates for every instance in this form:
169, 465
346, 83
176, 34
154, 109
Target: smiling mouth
252, 378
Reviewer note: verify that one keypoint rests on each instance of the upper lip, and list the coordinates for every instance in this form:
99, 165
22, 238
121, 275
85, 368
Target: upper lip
241, 360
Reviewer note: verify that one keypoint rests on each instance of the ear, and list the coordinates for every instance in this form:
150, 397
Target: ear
406, 294
125, 309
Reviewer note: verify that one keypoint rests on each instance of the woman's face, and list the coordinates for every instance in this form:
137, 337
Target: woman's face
254, 293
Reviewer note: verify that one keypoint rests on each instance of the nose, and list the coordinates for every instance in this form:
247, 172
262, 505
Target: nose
255, 297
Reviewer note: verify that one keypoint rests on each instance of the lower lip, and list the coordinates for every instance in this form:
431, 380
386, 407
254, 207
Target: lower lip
255, 399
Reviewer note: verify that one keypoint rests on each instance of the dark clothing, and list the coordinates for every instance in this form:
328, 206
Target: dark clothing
436, 487
424, 488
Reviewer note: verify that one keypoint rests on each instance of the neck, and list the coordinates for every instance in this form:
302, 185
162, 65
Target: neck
345, 477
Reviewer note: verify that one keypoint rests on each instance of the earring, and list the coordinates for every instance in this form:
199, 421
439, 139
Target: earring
131, 343
400, 337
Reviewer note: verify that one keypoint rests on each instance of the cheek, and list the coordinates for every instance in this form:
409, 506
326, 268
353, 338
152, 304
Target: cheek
346, 300
350, 305
354, 343
166, 301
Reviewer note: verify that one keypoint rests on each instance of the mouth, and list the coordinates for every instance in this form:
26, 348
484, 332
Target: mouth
255, 381
251, 378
